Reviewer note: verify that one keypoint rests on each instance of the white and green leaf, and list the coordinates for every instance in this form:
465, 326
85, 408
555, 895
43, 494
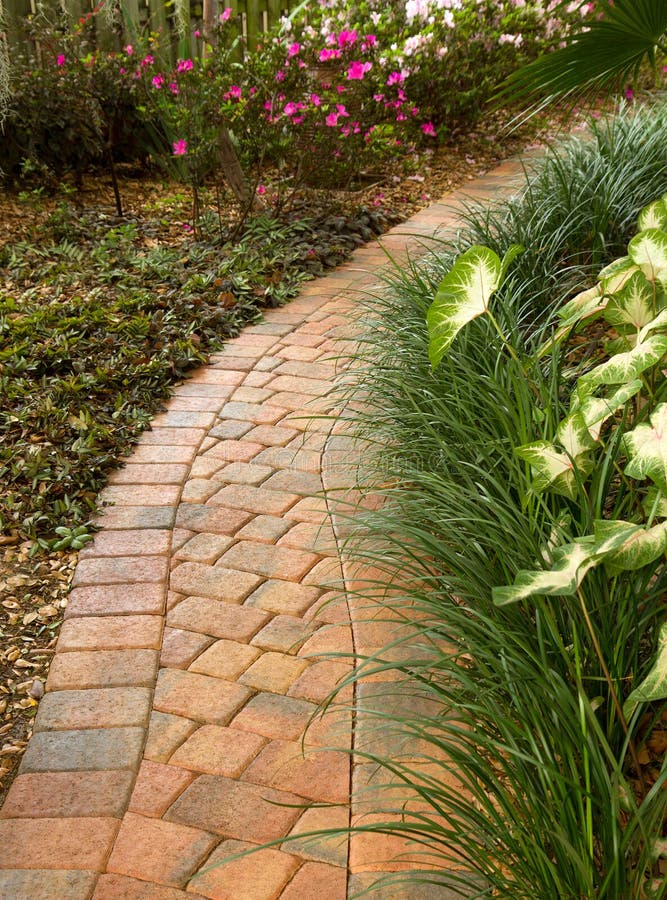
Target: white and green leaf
554, 470
655, 503
648, 250
616, 275
626, 366
654, 686
463, 295
596, 410
633, 305
641, 546
654, 215
574, 436
646, 446
570, 564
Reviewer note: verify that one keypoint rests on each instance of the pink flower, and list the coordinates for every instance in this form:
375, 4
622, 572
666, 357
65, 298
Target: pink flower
225, 14
428, 129
629, 94
157, 81
326, 55
290, 109
268, 105
341, 110
315, 99
293, 49
356, 70
60, 60
280, 75
173, 87
180, 147
261, 189
297, 120
252, 91
301, 64
395, 78
184, 65
347, 37
129, 50
371, 40
235, 93
147, 60
197, 34
331, 120
122, 71
401, 118
378, 98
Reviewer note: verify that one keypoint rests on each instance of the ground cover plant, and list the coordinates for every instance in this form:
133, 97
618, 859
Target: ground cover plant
536, 664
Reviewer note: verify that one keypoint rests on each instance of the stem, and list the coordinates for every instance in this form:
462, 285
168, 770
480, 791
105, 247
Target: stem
612, 690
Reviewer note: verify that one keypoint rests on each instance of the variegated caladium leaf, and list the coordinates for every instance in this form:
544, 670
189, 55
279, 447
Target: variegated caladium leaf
648, 250
654, 215
570, 563
553, 470
573, 435
654, 686
596, 410
623, 367
463, 295
617, 274
660, 321
640, 547
646, 446
634, 305
655, 503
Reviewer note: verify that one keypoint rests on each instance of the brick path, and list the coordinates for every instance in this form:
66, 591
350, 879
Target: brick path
186, 672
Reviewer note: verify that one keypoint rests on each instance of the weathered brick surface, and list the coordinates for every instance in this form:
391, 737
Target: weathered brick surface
330, 849
155, 850
84, 750
270, 561
284, 634
136, 517
122, 887
96, 600
94, 708
236, 809
131, 542
243, 473
218, 751
275, 716
316, 880
315, 774
254, 499
204, 548
46, 884
217, 619
216, 583
102, 668
274, 672
150, 473
258, 876
180, 648
120, 570
157, 786
111, 633
56, 843
42, 795
198, 697
283, 597
165, 733
225, 659
197, 517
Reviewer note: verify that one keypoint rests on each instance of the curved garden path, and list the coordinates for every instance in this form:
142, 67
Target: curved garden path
171, 735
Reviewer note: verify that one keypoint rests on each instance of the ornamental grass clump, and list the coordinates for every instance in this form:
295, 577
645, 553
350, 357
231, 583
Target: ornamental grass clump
519, 447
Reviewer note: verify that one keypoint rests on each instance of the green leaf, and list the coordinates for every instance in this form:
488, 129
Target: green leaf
647, 447
463, 294
596, 410
640, 547
648, 250
624, 367
654, 686
653, 216
570, 564
655, 503
511, 254
617, 274
633, 305
574, 436
554, 470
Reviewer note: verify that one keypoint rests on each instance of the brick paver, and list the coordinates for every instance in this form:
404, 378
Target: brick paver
180, 725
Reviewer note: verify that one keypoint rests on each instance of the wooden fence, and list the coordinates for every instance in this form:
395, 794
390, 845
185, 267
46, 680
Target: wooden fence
174, 20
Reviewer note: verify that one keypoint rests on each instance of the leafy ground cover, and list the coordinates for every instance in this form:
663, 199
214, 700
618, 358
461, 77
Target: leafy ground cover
533, 694
99, 316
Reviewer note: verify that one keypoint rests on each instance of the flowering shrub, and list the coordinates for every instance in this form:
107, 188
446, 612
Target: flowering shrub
450, 54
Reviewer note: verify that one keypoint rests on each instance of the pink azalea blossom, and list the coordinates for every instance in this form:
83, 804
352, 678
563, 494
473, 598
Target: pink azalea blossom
157, 81
395, 78
378, 98
268, 105
122, 71
235, 92
290, 109
293, 49
371, 40
184, 65
297, 120
261, 189
341, 110
180, 147
173, 87
429, 129
301, 64
147, 60
331, 120
60, 60
315, 99
280, 75
629, 94
197, 34
356, 70
326, 55
129, 50
225, 14
347, 37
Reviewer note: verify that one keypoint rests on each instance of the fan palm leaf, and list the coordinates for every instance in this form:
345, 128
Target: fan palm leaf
621, 35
